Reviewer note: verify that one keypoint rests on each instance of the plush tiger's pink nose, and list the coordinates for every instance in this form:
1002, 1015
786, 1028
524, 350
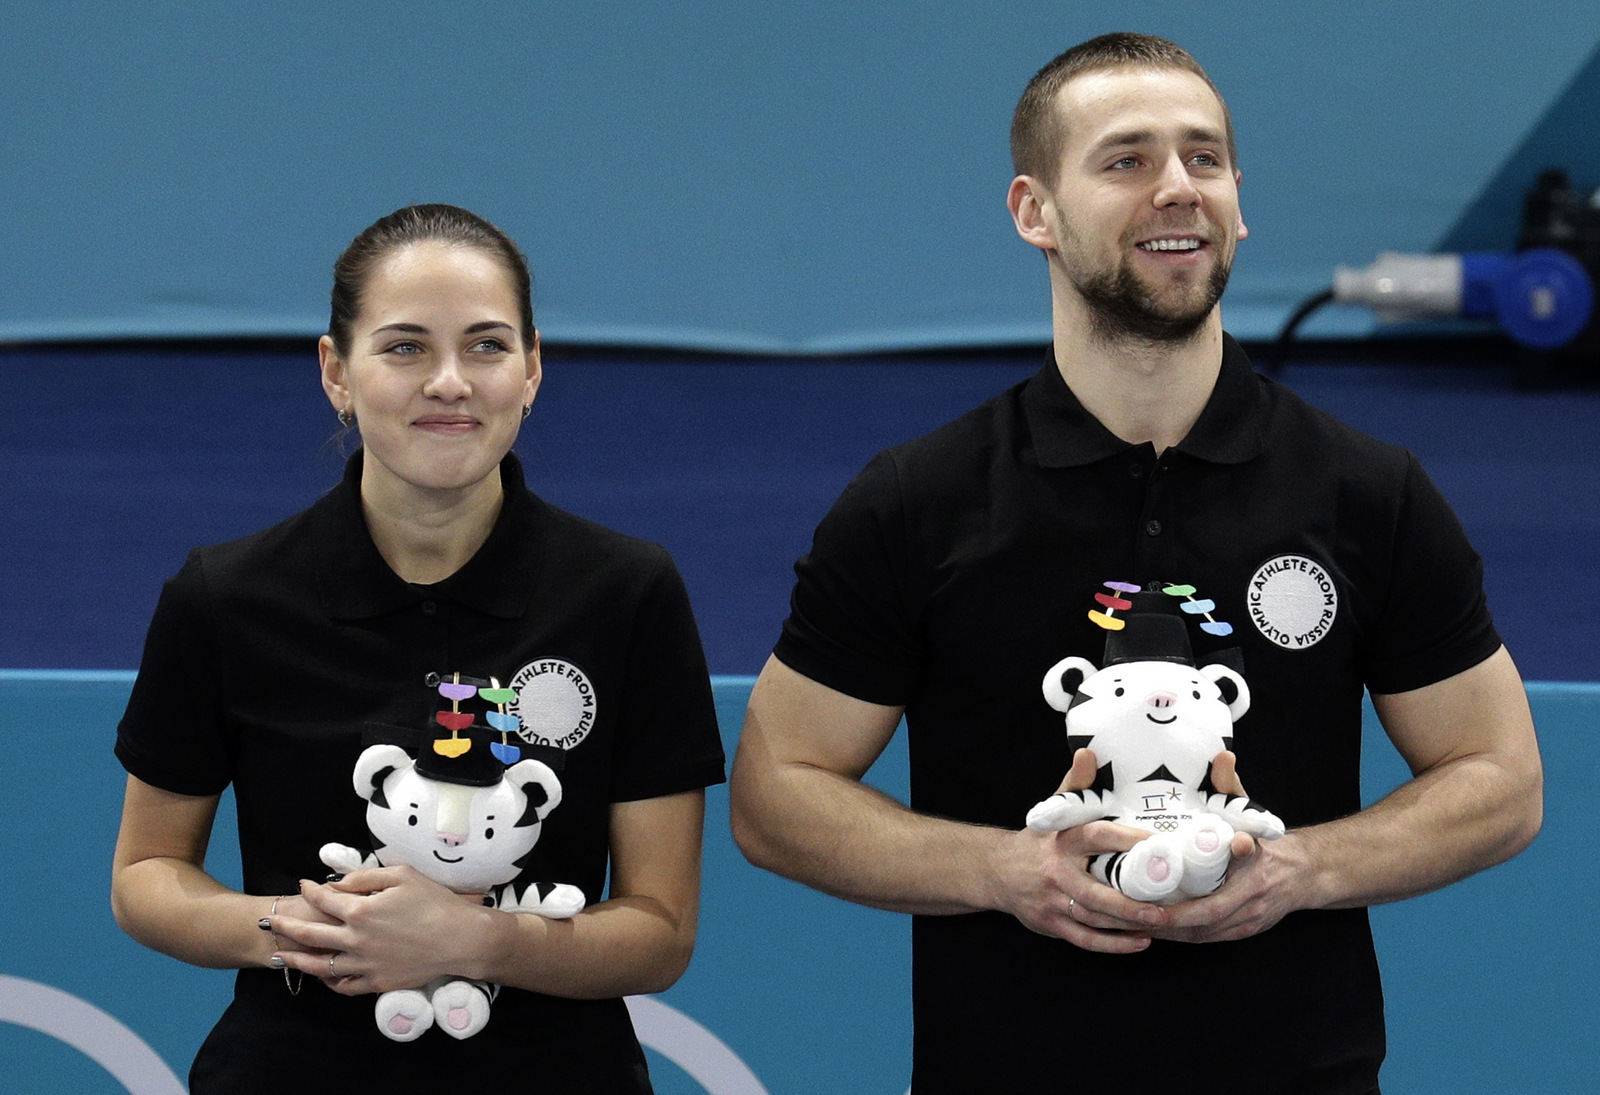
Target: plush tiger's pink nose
1161, 699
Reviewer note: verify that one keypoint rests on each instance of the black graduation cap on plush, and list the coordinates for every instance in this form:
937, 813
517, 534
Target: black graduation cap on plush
1155, 632
477, 767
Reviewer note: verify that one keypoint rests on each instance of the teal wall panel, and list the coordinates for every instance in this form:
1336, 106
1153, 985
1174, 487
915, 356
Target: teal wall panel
1487, 982
817, 176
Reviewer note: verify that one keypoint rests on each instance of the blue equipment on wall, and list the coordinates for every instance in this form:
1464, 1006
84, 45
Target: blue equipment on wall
1541, 298
1542, 294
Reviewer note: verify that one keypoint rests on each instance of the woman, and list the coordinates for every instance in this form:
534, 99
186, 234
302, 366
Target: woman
274, 660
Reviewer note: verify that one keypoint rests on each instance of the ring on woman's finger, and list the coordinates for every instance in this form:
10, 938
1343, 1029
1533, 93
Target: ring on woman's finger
1072, 903
331, 957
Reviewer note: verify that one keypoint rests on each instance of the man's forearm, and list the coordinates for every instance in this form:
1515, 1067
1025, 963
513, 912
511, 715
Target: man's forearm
799, 809
1449, 822
1475, 800
850, 840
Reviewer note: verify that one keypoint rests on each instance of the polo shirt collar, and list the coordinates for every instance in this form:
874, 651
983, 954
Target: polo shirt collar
356, 583
1228, 431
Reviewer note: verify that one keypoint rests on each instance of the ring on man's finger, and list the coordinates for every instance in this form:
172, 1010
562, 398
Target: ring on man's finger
1072, 903
331, 957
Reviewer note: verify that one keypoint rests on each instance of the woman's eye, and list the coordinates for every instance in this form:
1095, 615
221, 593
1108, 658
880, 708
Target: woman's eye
404, 349
490, 346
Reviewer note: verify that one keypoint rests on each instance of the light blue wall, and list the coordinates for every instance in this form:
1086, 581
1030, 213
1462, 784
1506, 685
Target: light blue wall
763, 176
1488, 984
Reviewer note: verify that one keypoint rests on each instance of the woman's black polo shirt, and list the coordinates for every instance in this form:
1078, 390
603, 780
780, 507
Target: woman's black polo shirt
273, 660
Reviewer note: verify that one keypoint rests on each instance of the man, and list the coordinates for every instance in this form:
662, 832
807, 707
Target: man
956, 569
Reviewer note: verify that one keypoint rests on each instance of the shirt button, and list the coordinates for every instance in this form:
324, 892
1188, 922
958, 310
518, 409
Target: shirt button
1153, 528
1136, 471
429, 608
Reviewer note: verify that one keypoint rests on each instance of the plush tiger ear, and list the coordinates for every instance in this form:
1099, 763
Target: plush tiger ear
1235, 693
373, 767
538, 781
1064, 679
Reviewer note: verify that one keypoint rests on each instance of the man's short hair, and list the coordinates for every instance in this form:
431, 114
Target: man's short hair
1038, 129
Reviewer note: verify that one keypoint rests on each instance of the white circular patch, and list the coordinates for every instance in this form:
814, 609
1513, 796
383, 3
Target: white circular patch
1293, 601
555, 703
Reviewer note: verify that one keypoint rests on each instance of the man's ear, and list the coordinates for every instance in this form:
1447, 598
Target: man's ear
1032, 211
333, 375
1238, 181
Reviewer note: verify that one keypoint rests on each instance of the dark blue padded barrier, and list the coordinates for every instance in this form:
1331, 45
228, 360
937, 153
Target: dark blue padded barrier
127, 458
1488, 982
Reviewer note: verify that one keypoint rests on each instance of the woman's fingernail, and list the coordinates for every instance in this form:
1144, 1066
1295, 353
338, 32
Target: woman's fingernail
264, 924
335, 877
276, 962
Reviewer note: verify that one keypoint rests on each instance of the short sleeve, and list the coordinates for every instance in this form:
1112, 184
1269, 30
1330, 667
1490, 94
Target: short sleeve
852, 624
172, 733
1435, 622
668, 740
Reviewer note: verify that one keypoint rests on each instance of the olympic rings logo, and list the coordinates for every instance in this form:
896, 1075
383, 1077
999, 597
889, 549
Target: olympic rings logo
138, 1068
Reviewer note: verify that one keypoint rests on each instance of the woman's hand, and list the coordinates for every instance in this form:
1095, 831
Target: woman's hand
396, 928
379, 929
295, 909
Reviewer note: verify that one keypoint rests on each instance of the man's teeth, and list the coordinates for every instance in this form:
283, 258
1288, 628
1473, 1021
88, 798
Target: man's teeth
1170, 245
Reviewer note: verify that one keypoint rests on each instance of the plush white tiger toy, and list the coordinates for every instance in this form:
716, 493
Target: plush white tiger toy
1155, 723
468, 822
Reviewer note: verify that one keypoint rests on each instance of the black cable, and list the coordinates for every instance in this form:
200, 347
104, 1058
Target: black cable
1280, 349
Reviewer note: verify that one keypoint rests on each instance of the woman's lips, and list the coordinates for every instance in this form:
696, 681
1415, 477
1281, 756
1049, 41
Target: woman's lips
451, 424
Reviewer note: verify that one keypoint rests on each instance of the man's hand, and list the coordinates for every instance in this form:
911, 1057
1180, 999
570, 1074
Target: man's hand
1260, 890
1256, 893
1045, 883
1225, 778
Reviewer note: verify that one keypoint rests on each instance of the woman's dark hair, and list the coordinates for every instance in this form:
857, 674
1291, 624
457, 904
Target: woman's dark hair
421, 224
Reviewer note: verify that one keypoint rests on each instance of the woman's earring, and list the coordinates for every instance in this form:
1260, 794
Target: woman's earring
527, 409
347, 419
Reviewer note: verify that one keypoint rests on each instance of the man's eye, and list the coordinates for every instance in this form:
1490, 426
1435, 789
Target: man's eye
1126, 162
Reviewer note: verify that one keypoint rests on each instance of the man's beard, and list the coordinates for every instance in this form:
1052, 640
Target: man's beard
1122, 307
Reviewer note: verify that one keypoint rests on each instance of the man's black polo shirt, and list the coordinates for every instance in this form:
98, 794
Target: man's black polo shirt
957, 568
